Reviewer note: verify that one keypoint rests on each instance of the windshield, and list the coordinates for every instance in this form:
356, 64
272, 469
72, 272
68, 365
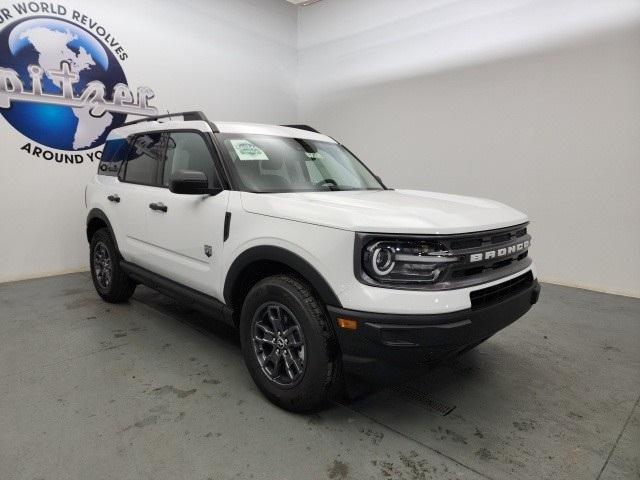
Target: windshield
265, 163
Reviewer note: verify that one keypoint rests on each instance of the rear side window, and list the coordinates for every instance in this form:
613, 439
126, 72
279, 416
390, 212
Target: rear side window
112, 156
188, 151
144, 159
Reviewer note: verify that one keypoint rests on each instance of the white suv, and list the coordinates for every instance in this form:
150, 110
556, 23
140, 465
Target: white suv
284, 233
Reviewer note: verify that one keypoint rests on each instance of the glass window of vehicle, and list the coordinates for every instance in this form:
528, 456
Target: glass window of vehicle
265, 163
112, 156
144, 158
188, 151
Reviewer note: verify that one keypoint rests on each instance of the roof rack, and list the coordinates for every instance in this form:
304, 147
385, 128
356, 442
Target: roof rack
302, 127
186, 116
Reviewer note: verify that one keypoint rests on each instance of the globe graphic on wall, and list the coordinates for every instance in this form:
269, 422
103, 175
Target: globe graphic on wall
49, 42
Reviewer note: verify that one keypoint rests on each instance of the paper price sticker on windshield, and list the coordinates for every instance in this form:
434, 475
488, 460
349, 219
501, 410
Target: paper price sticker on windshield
247, 150
314, 155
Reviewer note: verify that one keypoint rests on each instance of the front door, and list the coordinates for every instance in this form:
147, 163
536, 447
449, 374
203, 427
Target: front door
185, 234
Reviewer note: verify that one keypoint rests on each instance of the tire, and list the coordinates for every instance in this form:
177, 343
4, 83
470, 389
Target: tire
308, 372
109, 280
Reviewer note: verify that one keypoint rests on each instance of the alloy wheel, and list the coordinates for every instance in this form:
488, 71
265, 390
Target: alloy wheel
102, 266
278, 343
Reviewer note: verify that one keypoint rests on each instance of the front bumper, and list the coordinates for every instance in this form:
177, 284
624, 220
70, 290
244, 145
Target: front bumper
389, 348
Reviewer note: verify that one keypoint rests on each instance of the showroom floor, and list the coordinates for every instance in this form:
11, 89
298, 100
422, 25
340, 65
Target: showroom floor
152, 390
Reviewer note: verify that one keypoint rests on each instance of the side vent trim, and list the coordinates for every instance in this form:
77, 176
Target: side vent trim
227, 226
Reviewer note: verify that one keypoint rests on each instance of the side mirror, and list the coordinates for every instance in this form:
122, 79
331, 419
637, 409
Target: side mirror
191, 182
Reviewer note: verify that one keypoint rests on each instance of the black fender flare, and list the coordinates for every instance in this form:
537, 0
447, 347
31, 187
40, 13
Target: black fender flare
286, 257
99, 214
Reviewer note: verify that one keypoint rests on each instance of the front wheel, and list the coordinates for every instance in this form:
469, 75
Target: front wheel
288, 344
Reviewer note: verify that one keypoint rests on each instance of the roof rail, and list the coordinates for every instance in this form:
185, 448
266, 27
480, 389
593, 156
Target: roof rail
302, 127
186, 116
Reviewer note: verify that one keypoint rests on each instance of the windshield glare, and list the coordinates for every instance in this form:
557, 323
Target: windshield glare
265, 163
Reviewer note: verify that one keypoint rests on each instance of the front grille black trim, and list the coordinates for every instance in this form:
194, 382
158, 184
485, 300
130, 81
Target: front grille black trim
497, 293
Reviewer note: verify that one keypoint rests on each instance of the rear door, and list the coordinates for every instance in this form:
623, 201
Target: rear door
185, 238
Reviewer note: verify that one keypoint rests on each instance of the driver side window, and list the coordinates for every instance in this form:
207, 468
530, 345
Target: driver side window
188, 151
143, 159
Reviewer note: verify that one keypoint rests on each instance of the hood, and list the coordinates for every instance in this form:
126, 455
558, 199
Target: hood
386, 211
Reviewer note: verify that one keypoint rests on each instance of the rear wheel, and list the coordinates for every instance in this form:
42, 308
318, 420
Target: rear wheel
289, 345
109, 280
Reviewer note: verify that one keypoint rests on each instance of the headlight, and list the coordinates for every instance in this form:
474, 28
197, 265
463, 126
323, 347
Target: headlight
405, 261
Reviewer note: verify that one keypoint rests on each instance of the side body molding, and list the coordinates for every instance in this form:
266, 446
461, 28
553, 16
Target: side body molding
285, 257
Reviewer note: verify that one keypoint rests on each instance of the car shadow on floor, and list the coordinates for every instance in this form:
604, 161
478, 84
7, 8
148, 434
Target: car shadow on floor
471, 408
422, 390
201, 322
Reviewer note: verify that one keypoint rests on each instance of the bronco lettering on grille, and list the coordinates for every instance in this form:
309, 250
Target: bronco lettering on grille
500, 252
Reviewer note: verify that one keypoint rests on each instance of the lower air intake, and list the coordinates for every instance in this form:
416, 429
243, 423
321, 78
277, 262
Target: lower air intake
497, 293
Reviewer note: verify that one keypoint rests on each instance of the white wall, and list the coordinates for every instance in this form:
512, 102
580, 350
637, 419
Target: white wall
235, 60
534, 103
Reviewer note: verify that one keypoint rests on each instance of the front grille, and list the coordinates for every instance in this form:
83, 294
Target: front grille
481, 242
492, 295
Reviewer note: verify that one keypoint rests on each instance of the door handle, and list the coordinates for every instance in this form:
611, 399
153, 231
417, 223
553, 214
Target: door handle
158, 207
114, 198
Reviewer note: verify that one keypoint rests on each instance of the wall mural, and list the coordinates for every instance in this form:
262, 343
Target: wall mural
62, 84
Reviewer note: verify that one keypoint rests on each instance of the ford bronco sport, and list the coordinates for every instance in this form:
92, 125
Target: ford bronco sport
282, 232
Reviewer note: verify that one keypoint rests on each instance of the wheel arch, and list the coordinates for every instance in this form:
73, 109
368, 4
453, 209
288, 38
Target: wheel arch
97, 219
266, 260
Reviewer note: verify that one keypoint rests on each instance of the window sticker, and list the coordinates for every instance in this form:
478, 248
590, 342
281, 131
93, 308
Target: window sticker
314, 155
247, 150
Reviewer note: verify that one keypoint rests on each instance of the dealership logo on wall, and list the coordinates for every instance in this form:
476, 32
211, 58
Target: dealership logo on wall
61, 81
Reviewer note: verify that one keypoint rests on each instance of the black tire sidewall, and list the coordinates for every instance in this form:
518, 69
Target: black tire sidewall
308, 392
121, 286
101, 236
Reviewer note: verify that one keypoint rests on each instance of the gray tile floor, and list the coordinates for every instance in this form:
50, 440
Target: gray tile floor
152, 390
